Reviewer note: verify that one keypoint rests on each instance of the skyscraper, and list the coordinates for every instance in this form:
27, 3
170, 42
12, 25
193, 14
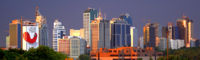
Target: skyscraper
172, 31
58, 33
15, 34
134, 37
43, 31
150, 31
185, 29
126, 17
120, 33
100, 31
77, 46
88, 15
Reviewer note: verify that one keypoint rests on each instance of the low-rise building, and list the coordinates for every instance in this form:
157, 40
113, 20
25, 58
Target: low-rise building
176, 44
63, 45
124, 53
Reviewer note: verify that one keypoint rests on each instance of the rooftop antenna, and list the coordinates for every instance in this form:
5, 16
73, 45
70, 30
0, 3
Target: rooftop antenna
37, 11
100, 13
184, 16
21, 29
104, 16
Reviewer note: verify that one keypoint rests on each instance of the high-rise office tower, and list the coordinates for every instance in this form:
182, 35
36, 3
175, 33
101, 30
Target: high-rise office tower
100, 31
30, 35
126, 17
88, 15
150, 31
43, 31
134, 37
79, 33
77, 46
120, 33
185, 29
15, 34
58, 33
172, 31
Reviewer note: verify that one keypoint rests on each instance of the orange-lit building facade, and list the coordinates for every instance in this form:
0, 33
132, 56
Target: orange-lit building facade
100, 33
150, 33
124, 53
80, 32
64, 45
15, 34
95, 35
115, 54
185, 29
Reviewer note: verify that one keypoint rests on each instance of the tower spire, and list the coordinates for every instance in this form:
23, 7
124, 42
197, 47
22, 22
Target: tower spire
37, 13
100, 15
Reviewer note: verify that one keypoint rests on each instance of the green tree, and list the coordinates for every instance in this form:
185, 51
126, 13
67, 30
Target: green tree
84, 57
13, 54
2, 54
43, 53
139, 58
150, 58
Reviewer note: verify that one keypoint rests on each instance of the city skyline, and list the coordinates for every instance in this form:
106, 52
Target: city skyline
75, 20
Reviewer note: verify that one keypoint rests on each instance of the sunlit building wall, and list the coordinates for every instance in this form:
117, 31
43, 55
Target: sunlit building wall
150, 32
176, 44
185, 29
15, 34
64, 45
7, 41
100, 29
134, 37
80, 32
77, 46
43, 30
88, 15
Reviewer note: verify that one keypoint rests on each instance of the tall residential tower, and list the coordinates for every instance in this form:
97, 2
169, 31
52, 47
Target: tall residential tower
58, 33
43, 31
185, 29
88, 15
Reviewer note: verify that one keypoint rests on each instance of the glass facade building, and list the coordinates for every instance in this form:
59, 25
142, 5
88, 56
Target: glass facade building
120, 33
58, 33
88, 15
100, 34
77, 46
43, 30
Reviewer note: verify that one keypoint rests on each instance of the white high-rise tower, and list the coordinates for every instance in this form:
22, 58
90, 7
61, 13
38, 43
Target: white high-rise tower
58, 33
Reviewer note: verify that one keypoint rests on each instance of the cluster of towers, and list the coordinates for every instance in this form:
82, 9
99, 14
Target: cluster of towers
97, 32
24, 33
179, 34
